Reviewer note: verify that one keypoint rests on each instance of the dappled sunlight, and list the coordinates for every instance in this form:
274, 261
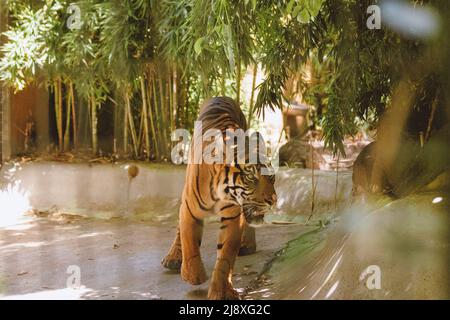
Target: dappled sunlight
14, 202
332, 290
18, 246
437, 200
57, 294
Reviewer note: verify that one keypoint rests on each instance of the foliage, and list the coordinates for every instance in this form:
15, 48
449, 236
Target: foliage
163, 57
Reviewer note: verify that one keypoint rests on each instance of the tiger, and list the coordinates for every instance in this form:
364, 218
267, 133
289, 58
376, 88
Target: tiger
237, 192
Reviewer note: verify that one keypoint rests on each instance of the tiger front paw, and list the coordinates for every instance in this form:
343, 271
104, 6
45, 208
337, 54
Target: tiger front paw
171, 262
222, 292
193, 271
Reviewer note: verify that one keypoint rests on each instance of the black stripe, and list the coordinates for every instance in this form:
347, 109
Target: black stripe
200, 204
227, 206
231, 218
198, 221
236, 187
198, 196
227, 170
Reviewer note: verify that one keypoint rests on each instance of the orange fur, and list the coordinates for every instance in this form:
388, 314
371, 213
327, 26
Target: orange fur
225, 190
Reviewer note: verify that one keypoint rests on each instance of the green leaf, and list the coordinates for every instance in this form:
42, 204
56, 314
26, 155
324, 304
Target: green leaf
290, 6
313, 7
198, 46
303, 16
296, 11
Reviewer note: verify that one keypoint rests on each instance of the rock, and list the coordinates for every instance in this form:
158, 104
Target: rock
363, 169
297, 153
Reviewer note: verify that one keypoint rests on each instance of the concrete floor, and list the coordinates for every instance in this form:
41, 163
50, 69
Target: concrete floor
118, 259
129, 225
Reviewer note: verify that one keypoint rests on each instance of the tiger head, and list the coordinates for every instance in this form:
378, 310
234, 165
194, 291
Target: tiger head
252, 190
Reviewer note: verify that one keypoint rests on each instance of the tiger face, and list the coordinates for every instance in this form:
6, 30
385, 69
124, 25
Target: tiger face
253, 191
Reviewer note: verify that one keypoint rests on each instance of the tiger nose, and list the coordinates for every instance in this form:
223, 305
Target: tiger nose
271, 200
274, 198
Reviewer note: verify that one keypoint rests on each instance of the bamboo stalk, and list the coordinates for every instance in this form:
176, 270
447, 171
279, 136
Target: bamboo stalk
94, 119
74, 116
252, 96
58, 113
186, 112
169, 99
157, 117
337, 182
238, 78
68, 114
168, 96
140, 136
163, 118
131, 122
313, 183
431, 118
144, 112
125, 128
151, 115
223, 83
175, 98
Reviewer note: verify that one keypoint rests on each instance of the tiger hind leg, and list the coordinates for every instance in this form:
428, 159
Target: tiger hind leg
172, 260
191, 231
248, 241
